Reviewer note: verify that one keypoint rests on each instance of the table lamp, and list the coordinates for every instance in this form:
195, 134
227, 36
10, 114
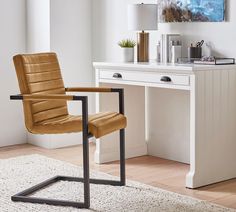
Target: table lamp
142, 17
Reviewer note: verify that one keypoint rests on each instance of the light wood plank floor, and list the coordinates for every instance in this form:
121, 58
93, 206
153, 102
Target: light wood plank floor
161, 173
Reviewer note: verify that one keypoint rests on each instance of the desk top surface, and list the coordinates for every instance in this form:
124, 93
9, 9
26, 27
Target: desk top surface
154, 66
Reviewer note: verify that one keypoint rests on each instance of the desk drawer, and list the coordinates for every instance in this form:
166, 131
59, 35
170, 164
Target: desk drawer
145, 77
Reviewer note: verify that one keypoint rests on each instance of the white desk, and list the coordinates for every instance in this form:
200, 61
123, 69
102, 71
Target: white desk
191, 119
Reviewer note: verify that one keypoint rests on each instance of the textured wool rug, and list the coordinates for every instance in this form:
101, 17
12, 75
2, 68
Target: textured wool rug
17, 174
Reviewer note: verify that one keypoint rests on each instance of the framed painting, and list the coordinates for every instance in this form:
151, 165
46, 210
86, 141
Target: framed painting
191, 10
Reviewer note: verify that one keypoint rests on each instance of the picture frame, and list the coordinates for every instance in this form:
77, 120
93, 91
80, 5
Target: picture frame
191, 11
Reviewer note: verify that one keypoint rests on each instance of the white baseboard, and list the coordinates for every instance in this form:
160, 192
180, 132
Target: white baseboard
55, 141
110, 155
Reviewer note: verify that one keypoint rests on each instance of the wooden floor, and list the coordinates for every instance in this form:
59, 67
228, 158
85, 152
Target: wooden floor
150, 170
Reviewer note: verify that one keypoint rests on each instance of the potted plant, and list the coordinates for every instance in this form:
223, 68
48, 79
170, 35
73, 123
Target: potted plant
127, 46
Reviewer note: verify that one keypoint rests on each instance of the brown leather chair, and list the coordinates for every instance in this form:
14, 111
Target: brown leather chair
45, 110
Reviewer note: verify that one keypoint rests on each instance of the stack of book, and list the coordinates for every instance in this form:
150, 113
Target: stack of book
216, 61
167, 41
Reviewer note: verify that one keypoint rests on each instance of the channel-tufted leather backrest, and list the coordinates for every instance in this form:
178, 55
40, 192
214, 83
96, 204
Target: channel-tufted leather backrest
40, 74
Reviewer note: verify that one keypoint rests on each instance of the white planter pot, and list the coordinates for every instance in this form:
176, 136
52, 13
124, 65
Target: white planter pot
128, 54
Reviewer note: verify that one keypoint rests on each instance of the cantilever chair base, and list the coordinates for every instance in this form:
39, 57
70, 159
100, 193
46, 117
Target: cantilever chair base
24, 195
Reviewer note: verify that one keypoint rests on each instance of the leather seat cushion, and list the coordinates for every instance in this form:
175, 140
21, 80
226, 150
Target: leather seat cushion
99, 124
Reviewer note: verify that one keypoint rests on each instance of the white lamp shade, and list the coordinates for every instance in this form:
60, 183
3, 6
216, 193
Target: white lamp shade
142, 17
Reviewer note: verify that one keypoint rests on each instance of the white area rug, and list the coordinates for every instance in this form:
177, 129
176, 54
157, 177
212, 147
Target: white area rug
17, 174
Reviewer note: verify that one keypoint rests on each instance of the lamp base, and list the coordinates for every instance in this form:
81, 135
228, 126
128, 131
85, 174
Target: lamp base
143, 47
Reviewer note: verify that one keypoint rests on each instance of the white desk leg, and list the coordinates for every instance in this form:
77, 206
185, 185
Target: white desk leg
107, 148
191, 174
213, 124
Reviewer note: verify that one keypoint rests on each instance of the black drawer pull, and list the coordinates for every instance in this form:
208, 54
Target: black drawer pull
166, 79
117, 75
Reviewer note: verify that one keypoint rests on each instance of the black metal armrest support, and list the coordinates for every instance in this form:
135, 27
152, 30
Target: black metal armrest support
16, 97
121, 99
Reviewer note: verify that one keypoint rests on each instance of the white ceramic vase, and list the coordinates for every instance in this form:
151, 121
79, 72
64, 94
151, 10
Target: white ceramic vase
128, 54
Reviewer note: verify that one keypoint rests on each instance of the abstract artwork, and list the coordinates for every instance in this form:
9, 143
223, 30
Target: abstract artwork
191, 10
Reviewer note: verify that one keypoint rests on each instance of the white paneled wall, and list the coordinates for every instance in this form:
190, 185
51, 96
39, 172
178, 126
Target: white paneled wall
71, 33
38, 25
63, 27
12, 41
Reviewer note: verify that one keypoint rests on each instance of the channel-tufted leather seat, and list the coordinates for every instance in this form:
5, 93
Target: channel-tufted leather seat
40, 74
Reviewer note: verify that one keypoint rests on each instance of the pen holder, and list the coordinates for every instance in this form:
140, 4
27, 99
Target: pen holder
194, 52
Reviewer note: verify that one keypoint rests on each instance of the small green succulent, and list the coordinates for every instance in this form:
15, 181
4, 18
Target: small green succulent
127, 43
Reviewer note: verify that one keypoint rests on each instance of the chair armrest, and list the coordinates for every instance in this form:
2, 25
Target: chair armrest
102, 90
30, 97
88, 89
93, 89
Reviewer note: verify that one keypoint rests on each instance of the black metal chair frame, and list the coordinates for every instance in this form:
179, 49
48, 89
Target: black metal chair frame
24, 195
